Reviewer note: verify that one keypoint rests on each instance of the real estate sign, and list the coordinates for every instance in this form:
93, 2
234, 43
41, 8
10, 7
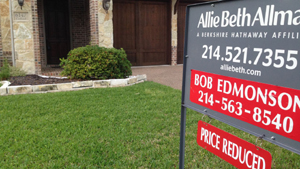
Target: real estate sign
242, 66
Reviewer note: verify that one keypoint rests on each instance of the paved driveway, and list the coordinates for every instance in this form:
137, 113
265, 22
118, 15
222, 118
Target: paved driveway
166, 75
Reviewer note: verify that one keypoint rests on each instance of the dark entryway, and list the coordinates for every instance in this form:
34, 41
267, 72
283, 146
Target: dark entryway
142, 29
57, 30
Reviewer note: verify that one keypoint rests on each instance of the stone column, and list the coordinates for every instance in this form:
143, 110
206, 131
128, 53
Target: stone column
105, 25
23, 36
174, 34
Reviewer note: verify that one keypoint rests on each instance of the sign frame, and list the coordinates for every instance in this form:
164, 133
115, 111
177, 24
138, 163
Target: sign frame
272, 137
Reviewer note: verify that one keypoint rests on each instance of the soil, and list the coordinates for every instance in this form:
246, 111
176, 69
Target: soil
37, 80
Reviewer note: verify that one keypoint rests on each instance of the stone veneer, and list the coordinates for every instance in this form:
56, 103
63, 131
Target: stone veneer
23, 37
174, 34
105, 25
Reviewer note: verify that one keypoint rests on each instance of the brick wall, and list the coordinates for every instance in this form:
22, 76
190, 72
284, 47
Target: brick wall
6, 55
88, 25
80, 23
42, 36
94, 30
36, 36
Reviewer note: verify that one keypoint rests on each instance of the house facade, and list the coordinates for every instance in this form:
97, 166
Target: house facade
35, 34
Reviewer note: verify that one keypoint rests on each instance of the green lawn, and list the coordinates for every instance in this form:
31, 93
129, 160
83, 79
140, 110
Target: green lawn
129, 127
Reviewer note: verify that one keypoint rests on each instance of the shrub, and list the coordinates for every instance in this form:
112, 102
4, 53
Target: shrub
8, 71
4, 71
94, 62
15, 71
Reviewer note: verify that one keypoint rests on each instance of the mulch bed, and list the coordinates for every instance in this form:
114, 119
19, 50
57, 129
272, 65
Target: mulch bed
37, 80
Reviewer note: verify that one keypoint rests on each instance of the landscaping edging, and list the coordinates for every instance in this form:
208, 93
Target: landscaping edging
25, 89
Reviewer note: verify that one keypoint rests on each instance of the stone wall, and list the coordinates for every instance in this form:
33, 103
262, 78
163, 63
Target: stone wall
174, 34
94, 31
23, 37
105, 25
5, 32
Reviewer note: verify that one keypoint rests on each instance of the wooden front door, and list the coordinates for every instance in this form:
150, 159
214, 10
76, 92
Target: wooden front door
57, 30
142, 29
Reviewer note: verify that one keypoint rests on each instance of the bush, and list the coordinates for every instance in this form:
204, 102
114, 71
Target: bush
8, 71
4, 71
15, 71
94, 62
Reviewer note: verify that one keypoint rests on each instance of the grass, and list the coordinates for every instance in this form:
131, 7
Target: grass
129, 127
1, 84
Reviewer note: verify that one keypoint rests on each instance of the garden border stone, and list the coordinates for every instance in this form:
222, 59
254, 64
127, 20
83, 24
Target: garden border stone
82, 84
118, 82
19, 89
4, 84
46, 88
3, 91
102, 83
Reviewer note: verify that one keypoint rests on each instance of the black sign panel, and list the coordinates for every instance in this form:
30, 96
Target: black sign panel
242, 66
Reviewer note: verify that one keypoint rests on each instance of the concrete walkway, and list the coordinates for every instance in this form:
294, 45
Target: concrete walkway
166, 75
